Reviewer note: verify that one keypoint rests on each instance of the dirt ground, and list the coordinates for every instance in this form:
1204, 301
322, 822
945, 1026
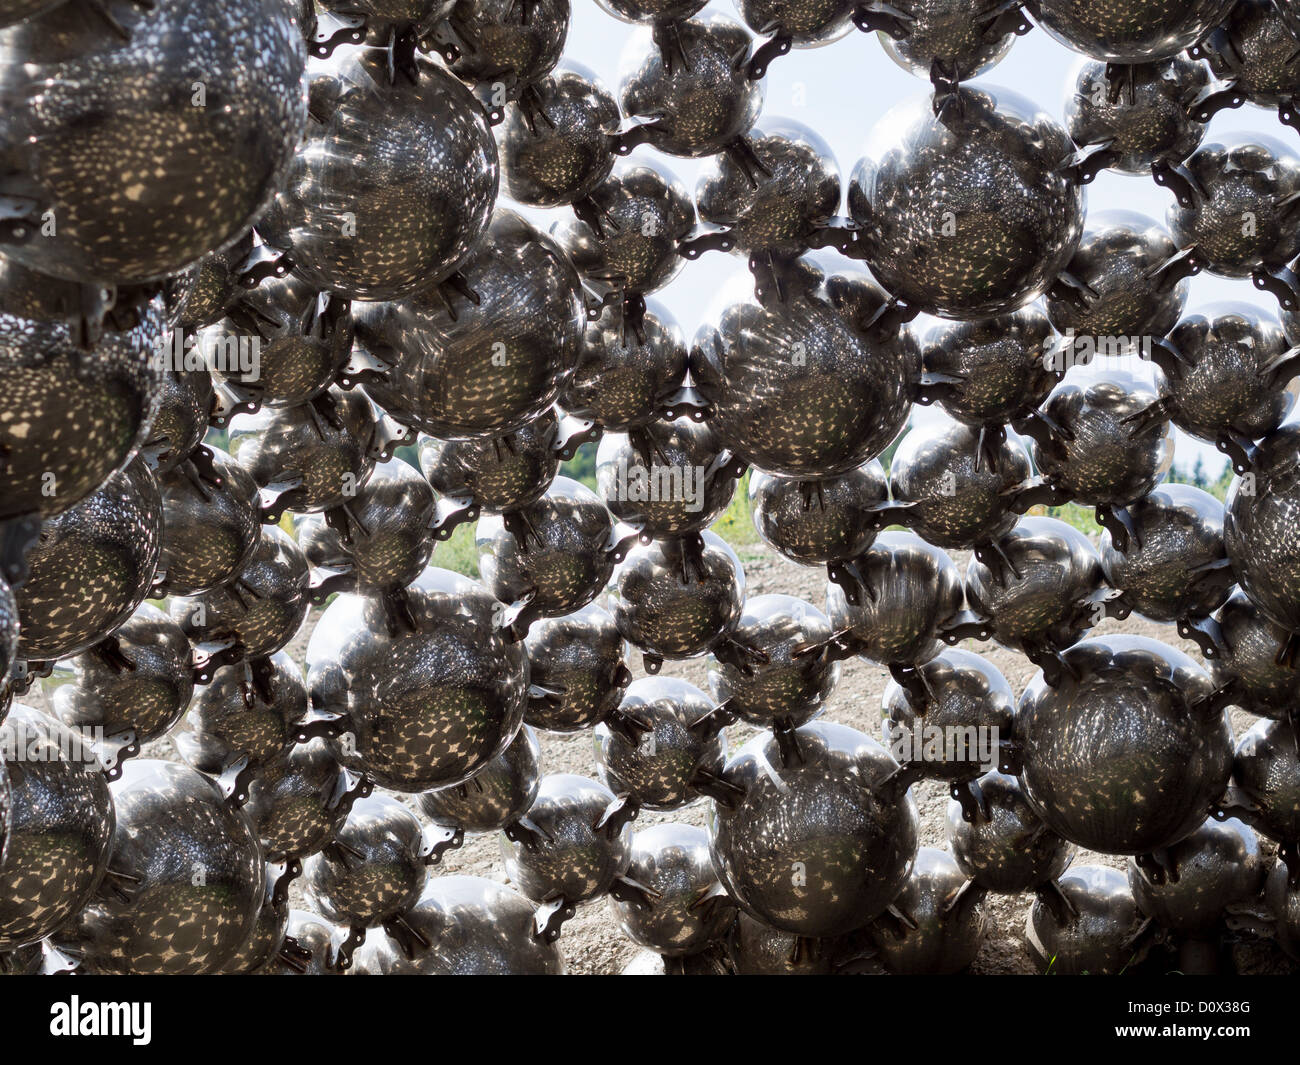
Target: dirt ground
591, 941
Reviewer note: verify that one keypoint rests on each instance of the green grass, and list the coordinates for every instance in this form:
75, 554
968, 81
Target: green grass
458, 553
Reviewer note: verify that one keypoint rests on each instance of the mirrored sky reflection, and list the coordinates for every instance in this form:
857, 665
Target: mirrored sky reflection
843, 90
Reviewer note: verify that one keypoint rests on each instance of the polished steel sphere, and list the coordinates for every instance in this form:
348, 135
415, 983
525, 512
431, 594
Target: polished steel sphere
153, 147
504, 48
1283, 901
211, 525
962, 493
1175, 567
576, 671
493, 364
661, 743
82, 405
698, 106
754, 948
775, 669
91, 567
1141, 111
958, 39
1128, 753
309, 947
971, 212
495, 473
1130, 31
185, 403
267, 935
1217, 866
944, 933
1249, 650
393, 183
175, 837
672, 600
1239, 219
559, 147
803, 387
905, 590
1011, 850
473, 927
829, 519
806, 23
1257, 55
689, 909
650, 10
59, 816
1097, 937
1267, 768
215, 282
497, 795
299, 801
820, 845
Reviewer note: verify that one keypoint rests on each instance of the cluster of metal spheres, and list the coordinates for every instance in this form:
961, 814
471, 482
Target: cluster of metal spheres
285, 222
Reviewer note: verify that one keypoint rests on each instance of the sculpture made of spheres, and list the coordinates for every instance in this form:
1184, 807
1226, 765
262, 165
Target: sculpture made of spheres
666, 478
775, 671
1140, 113
1129, 752
949, 39
849, 835
430, 706
1130, 31
1119, 285
1095, 933
493, 365
623, 377
378, 540
503, 48
995, 372
261, 608
1227, 375
1243, 176
558, 149
211, 524
172, 823
776, 207
1007, 218
1255, 56
896, 601
1218, 866
319, 453
1009, 850
827, 520
663, 744
1266, 767
1250, 657
185, 403
673, 600
91, 567
1175, 567
474, 926
59, 817
689, 909
497, 795
1102, 438
107, 128
301, 338
393, 184
549, 558
1260, 531
372, 870
572, 846
633, 222
576, 670
134, 684
963, 493
690, 85
81, 407
942, 931
804, 387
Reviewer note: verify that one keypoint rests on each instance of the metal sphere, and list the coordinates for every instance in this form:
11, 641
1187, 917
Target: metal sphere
1257, 55
806, 23
267, 934
1251, 645
493, 365
1283, 901
576, 670
497, 795
758, 949
829, 519
59, 816
495, 473
651, 10
960, 39
1097, 937
393, 183
1130, 31
501, 48
1266, 767
308, 948
969, 213
299, 801
945, 931
175, 836
1129, 753
111, 132
91, 567
185, 403
820, 845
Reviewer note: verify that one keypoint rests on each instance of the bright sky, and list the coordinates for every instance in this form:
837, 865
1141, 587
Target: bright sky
843, 89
